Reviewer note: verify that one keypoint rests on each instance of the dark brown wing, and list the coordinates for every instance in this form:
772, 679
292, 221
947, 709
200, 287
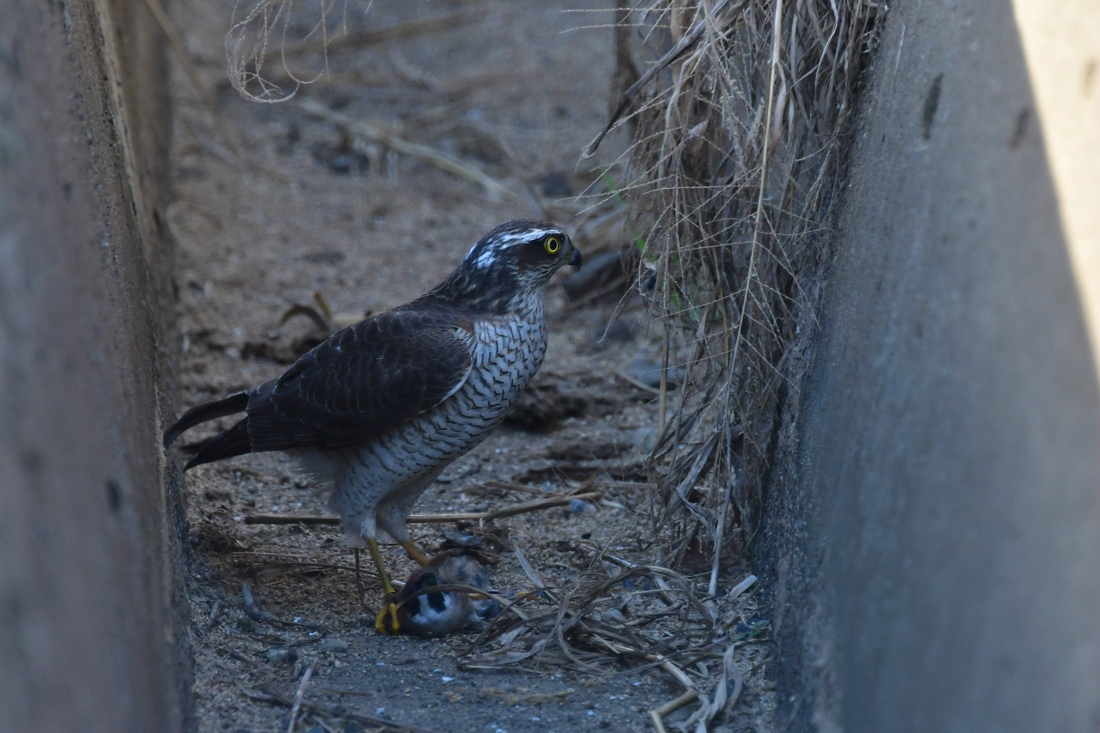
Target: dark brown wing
361, 382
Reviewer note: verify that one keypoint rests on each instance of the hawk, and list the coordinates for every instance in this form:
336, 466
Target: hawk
379, 409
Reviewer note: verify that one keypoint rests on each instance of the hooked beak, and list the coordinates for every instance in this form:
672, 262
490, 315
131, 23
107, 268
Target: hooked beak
576, 259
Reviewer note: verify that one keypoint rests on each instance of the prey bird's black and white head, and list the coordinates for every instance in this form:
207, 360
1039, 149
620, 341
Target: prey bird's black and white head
508, 266
427, 611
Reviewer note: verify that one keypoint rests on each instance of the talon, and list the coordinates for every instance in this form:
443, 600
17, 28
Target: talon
389, 611
415, 552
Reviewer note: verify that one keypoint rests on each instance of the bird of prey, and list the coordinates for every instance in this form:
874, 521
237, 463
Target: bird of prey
379, 409
427, 607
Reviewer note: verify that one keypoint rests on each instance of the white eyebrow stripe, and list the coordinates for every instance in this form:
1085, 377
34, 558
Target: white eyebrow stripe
506, 240
487, 257
527, 234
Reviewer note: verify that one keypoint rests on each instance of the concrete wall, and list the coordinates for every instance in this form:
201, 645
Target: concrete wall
934, 542
88, 637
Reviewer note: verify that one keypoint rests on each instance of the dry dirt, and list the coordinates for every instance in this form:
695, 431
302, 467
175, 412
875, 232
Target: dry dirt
303, 209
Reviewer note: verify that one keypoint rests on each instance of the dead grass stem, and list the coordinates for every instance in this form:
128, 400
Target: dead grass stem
736, 153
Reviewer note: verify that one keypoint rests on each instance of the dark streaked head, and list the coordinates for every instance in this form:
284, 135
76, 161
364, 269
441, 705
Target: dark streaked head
509, 264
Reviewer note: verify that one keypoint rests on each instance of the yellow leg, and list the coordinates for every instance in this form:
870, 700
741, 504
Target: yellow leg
389, 608
415, 552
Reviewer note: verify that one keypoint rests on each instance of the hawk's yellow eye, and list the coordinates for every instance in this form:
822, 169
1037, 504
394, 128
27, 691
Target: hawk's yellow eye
552, 245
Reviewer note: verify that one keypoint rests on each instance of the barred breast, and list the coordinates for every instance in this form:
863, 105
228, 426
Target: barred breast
376, 485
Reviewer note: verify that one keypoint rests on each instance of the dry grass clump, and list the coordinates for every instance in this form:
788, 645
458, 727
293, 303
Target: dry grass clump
737, 123
266, 33
642, 617
275, 47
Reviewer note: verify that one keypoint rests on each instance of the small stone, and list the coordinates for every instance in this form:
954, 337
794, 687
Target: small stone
334, 645
579, 506
281, 655
340, 163
613, 615
459, 538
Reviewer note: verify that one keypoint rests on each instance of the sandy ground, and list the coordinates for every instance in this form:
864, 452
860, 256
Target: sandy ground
304, 209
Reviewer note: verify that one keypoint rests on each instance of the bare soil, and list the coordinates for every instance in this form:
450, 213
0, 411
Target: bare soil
304, 213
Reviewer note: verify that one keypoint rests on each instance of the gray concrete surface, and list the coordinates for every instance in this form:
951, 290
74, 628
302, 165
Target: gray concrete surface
88, 637
934, 543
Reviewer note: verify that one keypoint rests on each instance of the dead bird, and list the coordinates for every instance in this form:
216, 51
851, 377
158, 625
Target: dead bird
433, 614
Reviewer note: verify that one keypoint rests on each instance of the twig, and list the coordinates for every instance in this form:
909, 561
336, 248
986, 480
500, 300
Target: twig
663, 391
723, 699
495, 189
215, 611
511, 699
587, 484
299, 695
386, 726
657, 714
637, 383
289, 519
741, 587
254, 612
765, 156
299, 309
323, 723
511, 486
319, 299
509, 511
337, 691
674, 53
250, 608
483, 516
527, 569
291, 562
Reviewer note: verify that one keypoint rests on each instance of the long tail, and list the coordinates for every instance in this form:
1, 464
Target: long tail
232, 442
231, 405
